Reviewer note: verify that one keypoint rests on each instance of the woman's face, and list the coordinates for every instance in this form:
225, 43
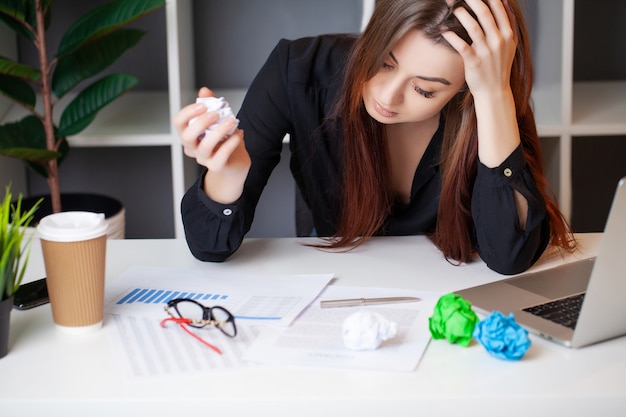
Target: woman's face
416, 80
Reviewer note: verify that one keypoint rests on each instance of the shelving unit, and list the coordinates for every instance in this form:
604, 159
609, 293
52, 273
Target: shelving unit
565, 109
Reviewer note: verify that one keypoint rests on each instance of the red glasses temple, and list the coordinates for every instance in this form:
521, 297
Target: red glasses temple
181, 322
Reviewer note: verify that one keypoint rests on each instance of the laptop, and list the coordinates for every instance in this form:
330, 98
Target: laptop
597, 285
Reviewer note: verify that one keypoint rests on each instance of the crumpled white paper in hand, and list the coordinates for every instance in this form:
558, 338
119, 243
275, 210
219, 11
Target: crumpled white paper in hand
219, 105
366, 330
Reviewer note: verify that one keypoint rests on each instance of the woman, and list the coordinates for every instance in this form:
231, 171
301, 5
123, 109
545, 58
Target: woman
421, 125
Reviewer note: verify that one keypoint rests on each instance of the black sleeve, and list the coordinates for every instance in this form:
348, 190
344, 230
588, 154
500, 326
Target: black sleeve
501, 243
215, 231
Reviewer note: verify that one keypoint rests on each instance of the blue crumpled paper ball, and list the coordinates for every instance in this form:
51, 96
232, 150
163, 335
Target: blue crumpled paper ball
502, 337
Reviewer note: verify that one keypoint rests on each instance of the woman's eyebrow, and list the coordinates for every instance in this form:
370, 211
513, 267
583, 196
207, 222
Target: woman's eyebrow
423, 77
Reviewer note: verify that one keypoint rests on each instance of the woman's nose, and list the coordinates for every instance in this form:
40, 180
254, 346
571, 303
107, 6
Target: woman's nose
392, 92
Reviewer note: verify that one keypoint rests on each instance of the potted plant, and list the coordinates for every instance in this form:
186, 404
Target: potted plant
87, 48
14, 253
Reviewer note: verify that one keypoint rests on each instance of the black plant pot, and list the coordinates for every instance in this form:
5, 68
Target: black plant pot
112, 208
5, 322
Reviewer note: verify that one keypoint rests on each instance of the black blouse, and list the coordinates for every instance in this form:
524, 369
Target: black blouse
293, 93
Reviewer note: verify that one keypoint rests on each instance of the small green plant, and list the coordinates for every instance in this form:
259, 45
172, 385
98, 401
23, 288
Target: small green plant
87, 48
14, 243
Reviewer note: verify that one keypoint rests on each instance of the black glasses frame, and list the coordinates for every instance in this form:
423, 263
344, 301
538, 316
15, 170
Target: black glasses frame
208, 318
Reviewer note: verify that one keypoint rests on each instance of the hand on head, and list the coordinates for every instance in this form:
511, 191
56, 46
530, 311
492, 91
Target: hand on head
489, 58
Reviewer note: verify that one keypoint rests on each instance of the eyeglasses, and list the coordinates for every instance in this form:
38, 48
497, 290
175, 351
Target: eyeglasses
188, 312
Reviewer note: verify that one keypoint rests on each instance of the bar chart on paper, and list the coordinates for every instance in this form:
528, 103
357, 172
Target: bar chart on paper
272, 308
272, 299
154, 296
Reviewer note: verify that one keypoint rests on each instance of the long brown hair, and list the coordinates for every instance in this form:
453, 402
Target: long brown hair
368, 197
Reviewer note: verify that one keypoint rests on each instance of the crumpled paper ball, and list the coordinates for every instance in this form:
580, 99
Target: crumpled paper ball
502, 337
366, 330
453, 319
219, 105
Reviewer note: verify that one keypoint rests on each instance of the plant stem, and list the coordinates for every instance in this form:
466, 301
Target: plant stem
46, 93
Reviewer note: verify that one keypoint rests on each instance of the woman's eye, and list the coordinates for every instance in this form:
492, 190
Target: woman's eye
387, 66
427, 94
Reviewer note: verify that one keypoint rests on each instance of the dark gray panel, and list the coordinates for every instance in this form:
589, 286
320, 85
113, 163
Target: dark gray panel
140, 177
233, 38
600, 40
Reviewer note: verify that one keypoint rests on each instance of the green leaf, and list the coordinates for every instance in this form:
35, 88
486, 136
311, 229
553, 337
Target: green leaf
13, 77
26, 140
83, 109
105, 19
15, 244
18, 90
19, 16
16, 9
92, 58
15, 69
16, 14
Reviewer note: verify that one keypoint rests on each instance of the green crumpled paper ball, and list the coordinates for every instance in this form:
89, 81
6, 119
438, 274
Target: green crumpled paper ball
453, 319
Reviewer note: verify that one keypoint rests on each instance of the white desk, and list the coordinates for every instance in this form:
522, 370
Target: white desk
49, 373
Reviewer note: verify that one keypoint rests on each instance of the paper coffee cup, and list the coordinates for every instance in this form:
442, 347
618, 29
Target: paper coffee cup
74, 250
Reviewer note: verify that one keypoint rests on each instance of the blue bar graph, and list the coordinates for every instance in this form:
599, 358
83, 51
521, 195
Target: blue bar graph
154, 296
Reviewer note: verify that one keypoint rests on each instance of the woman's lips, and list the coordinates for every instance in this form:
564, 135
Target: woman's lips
383, 111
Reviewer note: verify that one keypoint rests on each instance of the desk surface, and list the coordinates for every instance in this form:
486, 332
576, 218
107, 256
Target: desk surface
50, 373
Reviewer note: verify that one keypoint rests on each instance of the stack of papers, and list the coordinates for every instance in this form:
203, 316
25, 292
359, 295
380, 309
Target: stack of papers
278, 319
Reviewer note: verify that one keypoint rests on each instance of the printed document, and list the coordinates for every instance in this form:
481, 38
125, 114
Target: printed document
134, 308
315, 338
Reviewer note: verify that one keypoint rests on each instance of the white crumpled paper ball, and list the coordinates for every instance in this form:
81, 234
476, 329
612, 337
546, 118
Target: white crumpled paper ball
366, 330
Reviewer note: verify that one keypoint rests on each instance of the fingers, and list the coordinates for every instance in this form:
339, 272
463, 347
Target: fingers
495, 21
512, 20
221, 155
491, 31
216, 137
210, 143
205, 92
182, 119
504, 18
486, 18
215, 148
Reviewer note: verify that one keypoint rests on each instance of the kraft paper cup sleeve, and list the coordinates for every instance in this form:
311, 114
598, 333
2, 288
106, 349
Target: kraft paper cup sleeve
74, 250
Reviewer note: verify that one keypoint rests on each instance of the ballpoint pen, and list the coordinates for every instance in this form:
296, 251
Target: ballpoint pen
352, 302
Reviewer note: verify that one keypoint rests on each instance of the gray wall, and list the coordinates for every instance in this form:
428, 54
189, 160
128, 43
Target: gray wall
233, 38
140, 177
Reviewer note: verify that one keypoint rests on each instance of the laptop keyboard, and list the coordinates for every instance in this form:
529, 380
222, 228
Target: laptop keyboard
563, 311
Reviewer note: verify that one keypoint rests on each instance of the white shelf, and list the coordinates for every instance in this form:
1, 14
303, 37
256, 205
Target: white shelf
547, 109
599, 108
135, 119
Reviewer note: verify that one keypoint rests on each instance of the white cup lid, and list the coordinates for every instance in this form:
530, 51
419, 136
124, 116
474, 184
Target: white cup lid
72, 226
